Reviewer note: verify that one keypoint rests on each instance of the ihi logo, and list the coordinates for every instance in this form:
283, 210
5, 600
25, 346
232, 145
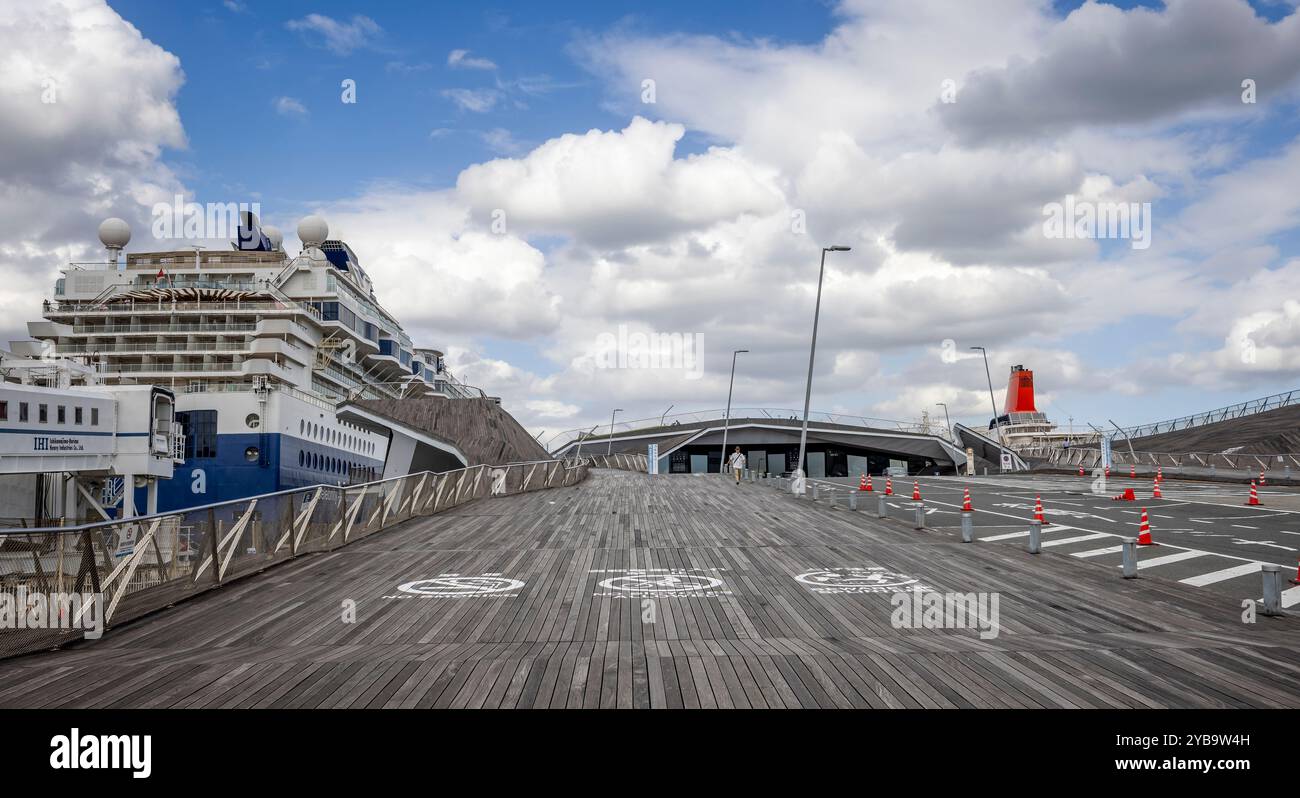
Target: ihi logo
75, 751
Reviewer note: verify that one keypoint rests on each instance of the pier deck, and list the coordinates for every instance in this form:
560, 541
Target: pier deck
672, 591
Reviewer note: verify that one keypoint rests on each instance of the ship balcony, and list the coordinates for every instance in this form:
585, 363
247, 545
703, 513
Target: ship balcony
275, 348
141, 308
115, 348
153, 329
287, 327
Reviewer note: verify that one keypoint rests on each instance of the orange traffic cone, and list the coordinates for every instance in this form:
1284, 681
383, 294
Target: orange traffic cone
1107, 472
1080, 470
1144, 531
916, 491
889, 486
862, 483
1261, 476
966, 508
1132, 472
1038, 510
1155, 490
1160, 474
1254, 496
869, 484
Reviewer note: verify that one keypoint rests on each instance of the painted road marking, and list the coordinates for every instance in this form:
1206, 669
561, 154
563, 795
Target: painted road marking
1097, 552
1220, 576
1063, 541
1196, 521
1242, 526
1007, 536
1170, 558
1290, 596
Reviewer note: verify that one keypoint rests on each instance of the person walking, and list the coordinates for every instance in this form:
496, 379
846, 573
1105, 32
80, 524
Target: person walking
737, 463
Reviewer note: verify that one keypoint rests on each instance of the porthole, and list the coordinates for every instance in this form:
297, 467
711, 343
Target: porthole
302, 457
250, 454
253, 420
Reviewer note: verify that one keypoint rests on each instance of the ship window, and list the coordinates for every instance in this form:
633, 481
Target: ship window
4, 411
302, 456
302, 427
62, 417
94, 416
22, 411
200, 433
76, 415
42, 413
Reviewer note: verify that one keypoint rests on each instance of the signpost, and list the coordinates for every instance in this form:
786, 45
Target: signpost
652, 459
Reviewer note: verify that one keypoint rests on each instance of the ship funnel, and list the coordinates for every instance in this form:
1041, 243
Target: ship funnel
1020, 391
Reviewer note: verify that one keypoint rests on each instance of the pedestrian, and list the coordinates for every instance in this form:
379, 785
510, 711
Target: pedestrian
737, 463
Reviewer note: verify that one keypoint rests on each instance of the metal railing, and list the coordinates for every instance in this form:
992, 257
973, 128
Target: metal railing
1091, 458
1248, 408
622, 462
142, 564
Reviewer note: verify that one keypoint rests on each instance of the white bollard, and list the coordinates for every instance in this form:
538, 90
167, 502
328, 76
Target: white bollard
882, 511
1035, 536
967, 527
919, 509
853, 501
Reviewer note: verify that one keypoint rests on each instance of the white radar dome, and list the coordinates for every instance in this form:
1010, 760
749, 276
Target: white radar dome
312, 231
114, 233
276, 237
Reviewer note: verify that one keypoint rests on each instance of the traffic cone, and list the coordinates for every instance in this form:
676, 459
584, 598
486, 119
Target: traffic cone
1261, 476
889, 486
916, 491
1144, 531
1107, 472
1132, 472
1254, 496
966, 508
1038, 510
1160, 474
1080, 470
1155, 490
1296, 581
869, 484
862, 483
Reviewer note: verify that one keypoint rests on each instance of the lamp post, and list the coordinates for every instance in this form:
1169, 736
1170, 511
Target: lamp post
610, 446
812, 353
992, 402
946, 419
665, 415
722, 468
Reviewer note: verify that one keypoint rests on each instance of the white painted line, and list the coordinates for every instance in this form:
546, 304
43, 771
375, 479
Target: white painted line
1063, 541
1242, 526
1157, 515
1195, 521
1097, 552
1169, 558
1007, 536
1290, 597
1220, 576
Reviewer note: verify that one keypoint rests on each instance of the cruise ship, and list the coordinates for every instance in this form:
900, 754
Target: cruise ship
1022, 426
258, 348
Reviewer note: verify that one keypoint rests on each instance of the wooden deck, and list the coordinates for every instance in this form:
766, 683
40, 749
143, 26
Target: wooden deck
1073, 634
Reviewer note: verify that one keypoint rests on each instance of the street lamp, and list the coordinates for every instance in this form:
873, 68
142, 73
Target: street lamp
992, 402
665, 415
812, 352
946, 420
722, 469
610, 447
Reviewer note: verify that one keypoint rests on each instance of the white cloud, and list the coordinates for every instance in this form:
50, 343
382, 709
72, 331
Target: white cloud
478, 101
461, 59
289, 106
338, 37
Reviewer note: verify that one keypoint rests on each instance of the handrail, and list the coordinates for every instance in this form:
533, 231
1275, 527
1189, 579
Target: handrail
141, 564
1247, 408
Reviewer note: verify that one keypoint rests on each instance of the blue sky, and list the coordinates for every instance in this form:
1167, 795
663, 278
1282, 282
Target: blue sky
670, 216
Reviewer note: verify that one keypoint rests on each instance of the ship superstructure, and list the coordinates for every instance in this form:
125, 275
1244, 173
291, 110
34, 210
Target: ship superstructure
1022, 425
258, 347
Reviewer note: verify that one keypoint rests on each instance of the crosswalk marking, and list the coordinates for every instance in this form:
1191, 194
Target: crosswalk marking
1168, 558
1290, 597
1008, 536
1097, 552
1218, 576
1063, 541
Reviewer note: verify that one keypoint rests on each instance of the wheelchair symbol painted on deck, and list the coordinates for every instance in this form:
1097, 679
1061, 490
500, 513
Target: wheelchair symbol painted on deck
457, 586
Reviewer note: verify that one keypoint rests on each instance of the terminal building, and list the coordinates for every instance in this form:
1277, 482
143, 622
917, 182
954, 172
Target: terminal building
844, 447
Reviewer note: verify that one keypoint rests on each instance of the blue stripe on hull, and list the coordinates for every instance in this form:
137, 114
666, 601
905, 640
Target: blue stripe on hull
230, 476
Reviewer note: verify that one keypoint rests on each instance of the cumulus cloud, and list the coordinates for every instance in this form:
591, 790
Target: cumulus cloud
89, 105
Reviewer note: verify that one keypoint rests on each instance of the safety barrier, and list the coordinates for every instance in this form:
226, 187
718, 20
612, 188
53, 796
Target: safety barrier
142, 564
623, 462
1091, 458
